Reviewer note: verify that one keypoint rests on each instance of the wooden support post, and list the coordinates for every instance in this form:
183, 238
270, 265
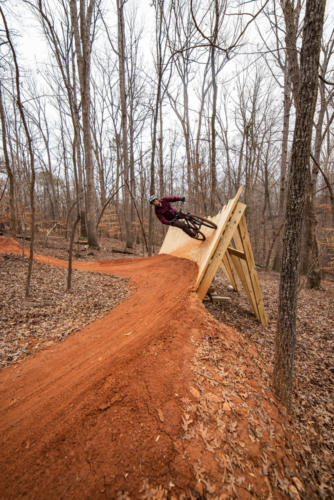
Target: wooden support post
252, 270
241, 268
243, 273
229, 270
224, 242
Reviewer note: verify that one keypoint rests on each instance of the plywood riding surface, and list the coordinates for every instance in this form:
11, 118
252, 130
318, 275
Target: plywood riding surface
179, 244
228, 246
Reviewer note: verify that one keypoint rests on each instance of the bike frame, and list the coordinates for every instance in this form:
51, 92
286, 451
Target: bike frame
187, 217
194, 222
191, 222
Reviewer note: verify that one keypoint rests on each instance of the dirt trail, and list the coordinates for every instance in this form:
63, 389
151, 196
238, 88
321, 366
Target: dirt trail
103, 413
100, 412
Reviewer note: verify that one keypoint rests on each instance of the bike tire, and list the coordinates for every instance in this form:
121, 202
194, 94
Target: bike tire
204, 222
196, 233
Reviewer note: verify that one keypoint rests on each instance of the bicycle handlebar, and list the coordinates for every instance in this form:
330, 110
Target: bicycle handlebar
178, 213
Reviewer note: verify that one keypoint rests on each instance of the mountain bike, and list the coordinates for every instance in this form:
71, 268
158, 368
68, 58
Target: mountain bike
194, 223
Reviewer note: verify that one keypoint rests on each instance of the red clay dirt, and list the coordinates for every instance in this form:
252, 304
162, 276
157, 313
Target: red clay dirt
100, 413
82, 418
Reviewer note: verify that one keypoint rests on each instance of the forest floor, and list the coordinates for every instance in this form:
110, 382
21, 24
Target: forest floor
313, 400
218, 432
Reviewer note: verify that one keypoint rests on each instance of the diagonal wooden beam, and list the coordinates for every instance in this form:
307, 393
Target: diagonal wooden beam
247, 247
226, 215
237, 253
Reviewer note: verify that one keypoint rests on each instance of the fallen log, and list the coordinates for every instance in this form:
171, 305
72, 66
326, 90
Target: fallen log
114, 250
22, 237
216, 297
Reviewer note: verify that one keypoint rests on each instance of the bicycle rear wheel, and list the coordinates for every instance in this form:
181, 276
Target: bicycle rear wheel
204, 222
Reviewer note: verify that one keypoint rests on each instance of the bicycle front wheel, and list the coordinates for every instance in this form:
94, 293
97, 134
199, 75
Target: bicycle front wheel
194, 229
203, 222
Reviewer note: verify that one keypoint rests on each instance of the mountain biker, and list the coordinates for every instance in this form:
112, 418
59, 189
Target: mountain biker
166, 213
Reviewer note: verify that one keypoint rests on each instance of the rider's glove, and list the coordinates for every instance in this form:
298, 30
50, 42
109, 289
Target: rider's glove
183, 199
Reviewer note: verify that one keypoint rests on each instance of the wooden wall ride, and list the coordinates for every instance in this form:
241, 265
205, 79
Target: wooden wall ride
228, 246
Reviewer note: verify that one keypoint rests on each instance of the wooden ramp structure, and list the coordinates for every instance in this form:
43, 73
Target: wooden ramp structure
228, 246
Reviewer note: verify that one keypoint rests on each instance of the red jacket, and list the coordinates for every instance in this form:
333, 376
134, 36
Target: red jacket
166, 212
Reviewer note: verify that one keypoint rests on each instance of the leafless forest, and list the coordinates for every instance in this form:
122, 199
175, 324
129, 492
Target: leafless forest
175, 98
198, 104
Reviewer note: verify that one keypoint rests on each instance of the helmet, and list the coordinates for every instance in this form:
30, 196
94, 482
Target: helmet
152, 198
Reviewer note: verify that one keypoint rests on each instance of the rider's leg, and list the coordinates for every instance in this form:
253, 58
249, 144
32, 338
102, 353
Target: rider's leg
182, 225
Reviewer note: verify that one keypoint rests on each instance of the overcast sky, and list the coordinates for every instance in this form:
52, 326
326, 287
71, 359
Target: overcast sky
29, 40
32, 49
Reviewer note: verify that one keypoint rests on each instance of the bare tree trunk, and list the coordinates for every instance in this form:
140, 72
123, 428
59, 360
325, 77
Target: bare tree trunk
301, 149
152, 174
62, 47
70, 253
198, 166
284, 159
159, 16
213, 171
266, 205
66, 170
291, 15
329, 188
186, 129
76, 149
161, 158
12, 221
31, 156
312, 269
132, 183
140, 219
124, 128
83, 47
275, 237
